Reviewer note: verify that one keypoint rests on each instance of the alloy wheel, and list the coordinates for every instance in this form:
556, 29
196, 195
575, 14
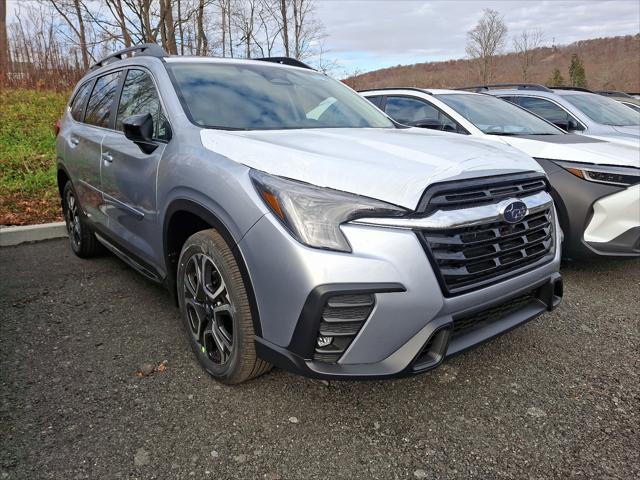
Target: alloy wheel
208, 308
72, 217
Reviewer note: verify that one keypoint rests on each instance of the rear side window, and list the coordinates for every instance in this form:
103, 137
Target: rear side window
79, 101
99, 107
139, 95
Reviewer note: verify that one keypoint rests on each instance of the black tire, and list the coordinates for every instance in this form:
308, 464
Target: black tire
83, 242
215, 309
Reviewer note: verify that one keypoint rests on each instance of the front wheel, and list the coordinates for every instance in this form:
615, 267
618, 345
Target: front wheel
215, 309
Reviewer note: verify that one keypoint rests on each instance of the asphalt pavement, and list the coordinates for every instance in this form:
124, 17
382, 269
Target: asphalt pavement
98, 381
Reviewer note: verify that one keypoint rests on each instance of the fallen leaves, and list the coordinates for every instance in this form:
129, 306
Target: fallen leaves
147, 370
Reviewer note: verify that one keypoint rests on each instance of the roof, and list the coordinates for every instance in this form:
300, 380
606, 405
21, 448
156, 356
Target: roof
428, 91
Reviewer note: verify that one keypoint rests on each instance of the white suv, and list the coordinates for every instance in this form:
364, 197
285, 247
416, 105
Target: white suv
596, 184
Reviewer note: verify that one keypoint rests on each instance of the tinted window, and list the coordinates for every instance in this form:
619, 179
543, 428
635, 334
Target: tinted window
411, 111
604, 110
547, 110
377, 101
99, 107
632, 106
139, 95
77, 106
497, 117
269, 97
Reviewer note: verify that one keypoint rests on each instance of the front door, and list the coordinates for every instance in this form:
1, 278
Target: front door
129, 174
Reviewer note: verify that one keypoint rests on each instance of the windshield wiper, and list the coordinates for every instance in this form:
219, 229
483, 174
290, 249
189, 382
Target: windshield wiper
506, 134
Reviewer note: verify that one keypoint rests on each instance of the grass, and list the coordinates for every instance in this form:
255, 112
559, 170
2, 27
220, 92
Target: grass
28, 191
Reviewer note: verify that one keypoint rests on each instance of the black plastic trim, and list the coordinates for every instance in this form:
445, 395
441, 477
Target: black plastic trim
626, 244
438, 188
304, 336
548, 297
210, 218
574, 199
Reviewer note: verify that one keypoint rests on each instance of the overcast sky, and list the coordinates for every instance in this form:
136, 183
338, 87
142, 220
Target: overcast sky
371, 34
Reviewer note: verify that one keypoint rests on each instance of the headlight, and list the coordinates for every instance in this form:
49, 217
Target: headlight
313, 214
623, 176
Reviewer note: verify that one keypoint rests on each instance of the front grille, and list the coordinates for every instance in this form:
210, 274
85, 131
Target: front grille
482, 191
342, 318
475, 320
475, 256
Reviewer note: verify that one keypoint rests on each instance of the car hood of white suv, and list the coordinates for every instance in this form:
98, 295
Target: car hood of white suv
576, 148
392, 165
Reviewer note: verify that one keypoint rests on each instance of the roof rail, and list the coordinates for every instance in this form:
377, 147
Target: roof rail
613, 93
292, 62
519, 86
146, 49
415, 89
577, 89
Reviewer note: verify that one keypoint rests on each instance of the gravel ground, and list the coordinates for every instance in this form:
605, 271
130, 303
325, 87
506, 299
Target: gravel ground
557, 398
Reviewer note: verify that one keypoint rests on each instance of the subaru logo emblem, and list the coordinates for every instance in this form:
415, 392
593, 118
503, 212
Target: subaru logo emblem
514, 212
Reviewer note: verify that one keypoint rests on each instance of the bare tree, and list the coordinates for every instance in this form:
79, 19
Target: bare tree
525, 46
245, 21
486, 40
268, 27
4, 53
306, 30
71, 12
284, 25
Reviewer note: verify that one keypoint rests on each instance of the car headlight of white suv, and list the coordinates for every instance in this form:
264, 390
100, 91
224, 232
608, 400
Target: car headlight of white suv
623, 176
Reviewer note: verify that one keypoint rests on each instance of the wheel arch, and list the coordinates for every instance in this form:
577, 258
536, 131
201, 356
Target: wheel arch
182, 219
62, 177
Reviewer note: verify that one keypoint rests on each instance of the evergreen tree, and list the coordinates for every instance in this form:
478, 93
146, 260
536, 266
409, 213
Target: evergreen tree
556, 80
577, 75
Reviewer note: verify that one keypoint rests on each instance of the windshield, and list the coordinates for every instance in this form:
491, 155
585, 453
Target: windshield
269, 97
604, 110
497, 117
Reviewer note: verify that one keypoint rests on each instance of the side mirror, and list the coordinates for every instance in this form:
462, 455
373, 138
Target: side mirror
139, 129
573, 125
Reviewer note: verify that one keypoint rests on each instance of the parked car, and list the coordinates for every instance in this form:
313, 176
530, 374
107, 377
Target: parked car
624, 98
596, 184
572, 109
296, 224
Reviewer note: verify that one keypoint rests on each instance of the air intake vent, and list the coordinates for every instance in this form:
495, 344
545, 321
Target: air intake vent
342, 318
475, 320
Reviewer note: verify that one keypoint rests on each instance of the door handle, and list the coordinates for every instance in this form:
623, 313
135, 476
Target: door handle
74, 141
106, 156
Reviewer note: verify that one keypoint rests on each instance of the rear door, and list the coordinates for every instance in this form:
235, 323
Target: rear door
129, 174
85, 141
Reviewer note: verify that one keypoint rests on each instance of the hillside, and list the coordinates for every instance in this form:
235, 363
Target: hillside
611, 63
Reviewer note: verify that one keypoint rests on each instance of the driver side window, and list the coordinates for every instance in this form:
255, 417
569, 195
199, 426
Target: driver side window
549, 111
411, 111
139, 96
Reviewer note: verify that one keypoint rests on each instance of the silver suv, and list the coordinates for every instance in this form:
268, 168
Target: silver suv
295, 223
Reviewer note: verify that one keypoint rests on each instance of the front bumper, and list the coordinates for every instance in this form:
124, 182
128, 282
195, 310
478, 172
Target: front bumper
410, 309
596, 218
614, 227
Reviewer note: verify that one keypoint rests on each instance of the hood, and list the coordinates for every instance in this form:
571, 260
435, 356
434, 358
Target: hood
392, 165
630, 130
576, 148
614, 137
